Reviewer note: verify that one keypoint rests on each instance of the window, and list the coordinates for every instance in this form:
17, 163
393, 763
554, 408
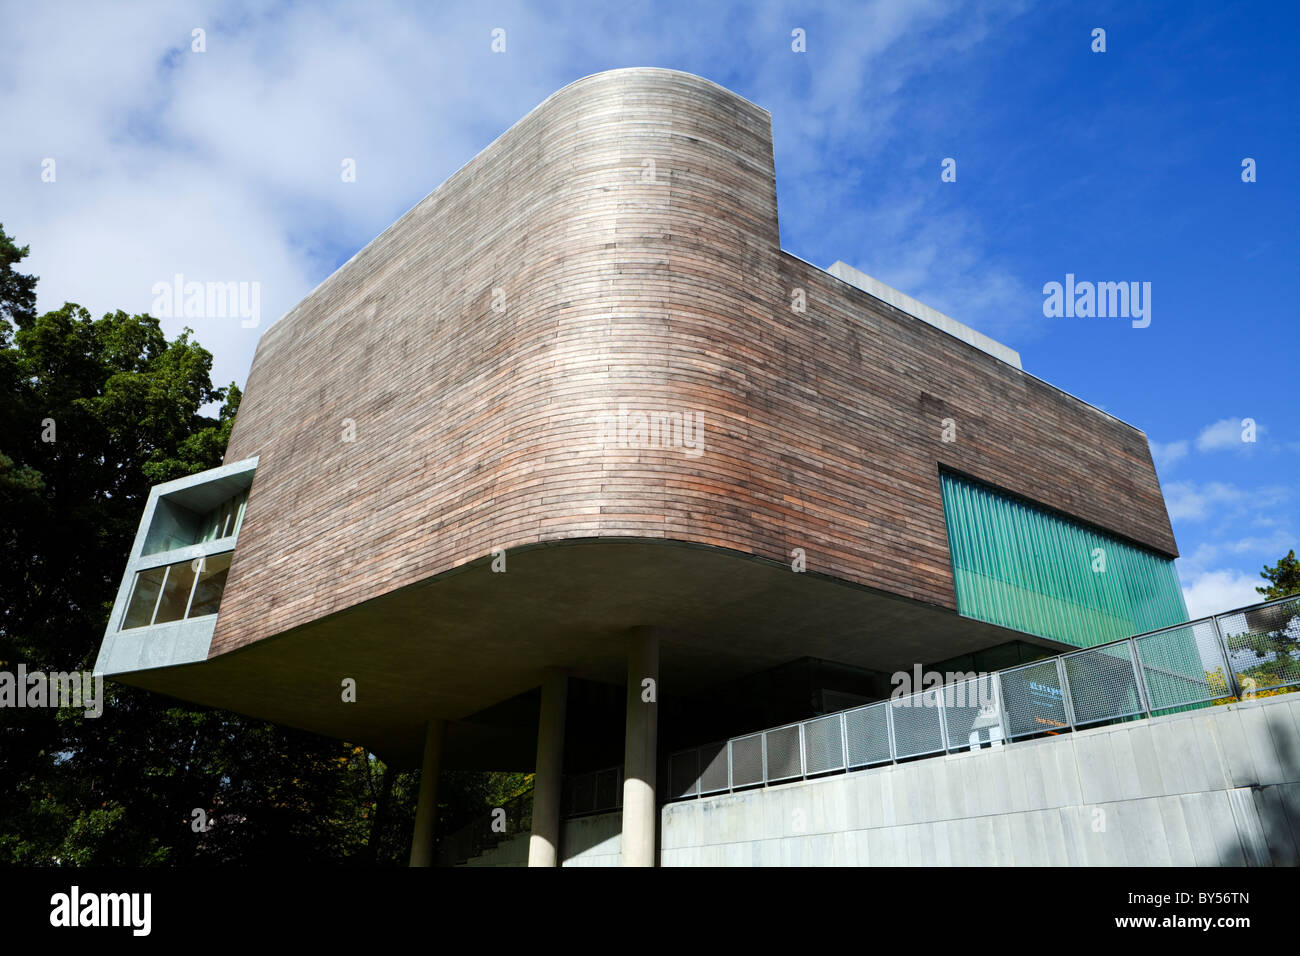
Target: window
212, 581
148, 584
179, 591
223, 520
176, 592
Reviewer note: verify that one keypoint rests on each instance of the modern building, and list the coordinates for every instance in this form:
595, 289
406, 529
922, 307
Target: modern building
574, 467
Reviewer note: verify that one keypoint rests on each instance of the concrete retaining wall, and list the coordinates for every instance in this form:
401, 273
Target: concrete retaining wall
592, 841
584, 841
1214, 787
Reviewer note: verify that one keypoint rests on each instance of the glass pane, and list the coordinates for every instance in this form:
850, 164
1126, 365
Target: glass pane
176, 592
223, 520
140, 611
212, 580
240, 503
208, 530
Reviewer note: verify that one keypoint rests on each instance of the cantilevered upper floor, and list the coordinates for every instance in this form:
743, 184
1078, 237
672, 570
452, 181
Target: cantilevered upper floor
580, 388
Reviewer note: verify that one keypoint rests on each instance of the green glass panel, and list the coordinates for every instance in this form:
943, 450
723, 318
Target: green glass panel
1022, 566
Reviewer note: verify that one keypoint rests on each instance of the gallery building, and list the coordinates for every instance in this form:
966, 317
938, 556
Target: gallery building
573, 467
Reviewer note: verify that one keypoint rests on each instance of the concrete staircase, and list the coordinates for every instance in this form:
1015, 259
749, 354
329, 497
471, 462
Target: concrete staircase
511, 852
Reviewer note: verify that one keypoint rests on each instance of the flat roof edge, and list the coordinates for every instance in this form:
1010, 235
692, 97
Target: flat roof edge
919, 310
1016, 364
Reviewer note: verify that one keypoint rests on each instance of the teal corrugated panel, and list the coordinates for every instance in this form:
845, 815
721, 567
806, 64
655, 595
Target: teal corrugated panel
1025, 567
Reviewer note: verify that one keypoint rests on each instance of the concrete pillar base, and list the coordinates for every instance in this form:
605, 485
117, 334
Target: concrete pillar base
640, 748
426, 810
544, 844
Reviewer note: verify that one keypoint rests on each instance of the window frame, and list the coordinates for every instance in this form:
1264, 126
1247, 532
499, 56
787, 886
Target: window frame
162, 588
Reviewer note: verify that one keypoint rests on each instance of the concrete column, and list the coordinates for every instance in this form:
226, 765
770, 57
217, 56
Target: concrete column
640, 748
544, 844
426, 809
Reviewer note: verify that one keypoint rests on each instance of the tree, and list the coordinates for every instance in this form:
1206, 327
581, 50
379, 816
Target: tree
92, 413
17, 290
1271, 634
1283, 577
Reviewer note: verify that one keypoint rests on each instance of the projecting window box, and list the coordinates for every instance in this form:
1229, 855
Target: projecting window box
171, 592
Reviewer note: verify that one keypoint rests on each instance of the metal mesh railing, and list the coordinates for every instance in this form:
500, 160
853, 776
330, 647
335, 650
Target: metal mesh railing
747, 767
714, 772
823, 745
684, 774
1182, 666
867, 731
1251, 652
917, 723
601, 790
1103, 684
784, 747
1263, 645
1033, 699
972, 712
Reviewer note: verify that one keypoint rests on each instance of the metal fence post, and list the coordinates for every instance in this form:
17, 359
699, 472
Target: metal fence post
1144, 697
1229, 671
943, 717
889, 730
1004, 714
1064, 681
844, 740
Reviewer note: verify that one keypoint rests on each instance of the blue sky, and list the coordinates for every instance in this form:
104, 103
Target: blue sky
1115, 166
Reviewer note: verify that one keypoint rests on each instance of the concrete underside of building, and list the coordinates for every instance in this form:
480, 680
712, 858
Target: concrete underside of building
475, 638
1213, 787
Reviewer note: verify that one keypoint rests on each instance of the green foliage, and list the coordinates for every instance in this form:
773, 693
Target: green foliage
17, 290
1283, 577
92, 413
464, 796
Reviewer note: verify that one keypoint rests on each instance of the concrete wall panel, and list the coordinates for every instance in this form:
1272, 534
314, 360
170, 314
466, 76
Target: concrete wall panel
1092, 799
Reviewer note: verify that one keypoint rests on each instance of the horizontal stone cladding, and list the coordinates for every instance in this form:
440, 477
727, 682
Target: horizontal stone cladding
626, 232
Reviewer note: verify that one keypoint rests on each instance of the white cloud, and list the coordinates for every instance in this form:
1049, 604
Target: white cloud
1167, 454
1212, 592
1190, 501
1187, 501
932, 255
1226, 435
1263, 549
1279, 542
224, 165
